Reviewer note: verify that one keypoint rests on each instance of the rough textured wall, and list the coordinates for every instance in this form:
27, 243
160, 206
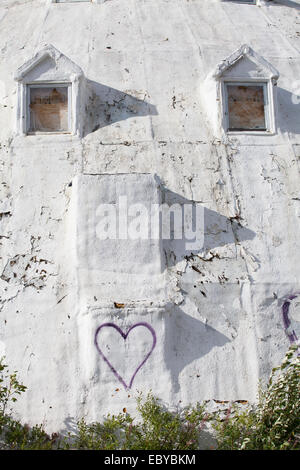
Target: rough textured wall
222, 325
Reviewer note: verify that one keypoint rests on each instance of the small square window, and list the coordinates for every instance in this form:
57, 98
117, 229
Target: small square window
49, 108
247, 107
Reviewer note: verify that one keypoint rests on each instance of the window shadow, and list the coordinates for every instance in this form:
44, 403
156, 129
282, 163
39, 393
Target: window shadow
218, 229
243, 2
71, 426
288, 111
187, 339
285, 3
106, 105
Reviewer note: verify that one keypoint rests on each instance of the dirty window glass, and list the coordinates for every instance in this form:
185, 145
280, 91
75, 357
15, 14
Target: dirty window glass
246, 107
49, 109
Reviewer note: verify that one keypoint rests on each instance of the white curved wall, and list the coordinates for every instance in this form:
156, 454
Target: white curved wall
221, 326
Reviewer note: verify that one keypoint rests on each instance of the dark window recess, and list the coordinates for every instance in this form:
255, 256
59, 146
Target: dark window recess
49, 109
246, 108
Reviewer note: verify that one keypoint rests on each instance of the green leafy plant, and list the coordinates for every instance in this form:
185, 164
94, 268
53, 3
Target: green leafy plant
156, 429
13, 434
10, 387
21, 437
109, 435
274, 423
161, 429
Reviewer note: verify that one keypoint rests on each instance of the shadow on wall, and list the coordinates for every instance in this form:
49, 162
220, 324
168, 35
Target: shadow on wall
107, 105
218, 231
71, 426
186, 340
286, 3
206, 441
288, 110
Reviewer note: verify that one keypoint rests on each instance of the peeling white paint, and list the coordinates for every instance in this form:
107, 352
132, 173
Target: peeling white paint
219, 324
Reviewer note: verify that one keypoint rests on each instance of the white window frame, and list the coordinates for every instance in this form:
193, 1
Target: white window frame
66, 73
269, 105
27, 101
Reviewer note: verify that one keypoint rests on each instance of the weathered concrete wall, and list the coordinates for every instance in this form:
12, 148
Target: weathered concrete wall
221, 326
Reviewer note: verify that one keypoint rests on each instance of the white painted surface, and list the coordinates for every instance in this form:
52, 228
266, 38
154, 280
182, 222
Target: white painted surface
145, 62
121, 267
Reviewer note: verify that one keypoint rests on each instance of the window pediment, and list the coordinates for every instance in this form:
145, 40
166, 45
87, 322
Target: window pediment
240, 94
246, 63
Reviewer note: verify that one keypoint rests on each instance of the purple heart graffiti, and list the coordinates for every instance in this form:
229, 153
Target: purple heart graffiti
125, 336
286, 320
